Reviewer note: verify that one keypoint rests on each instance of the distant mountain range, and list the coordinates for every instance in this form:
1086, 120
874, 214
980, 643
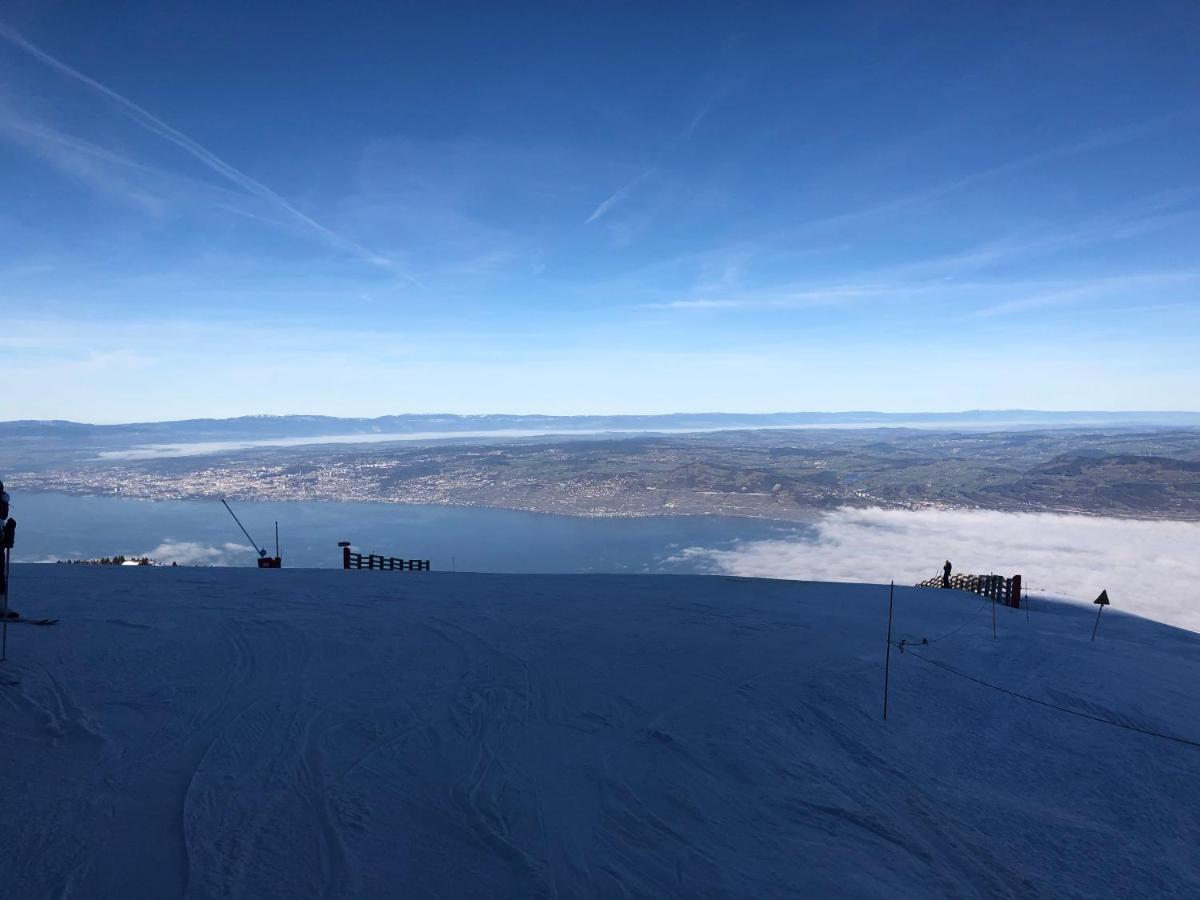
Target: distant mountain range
266, 427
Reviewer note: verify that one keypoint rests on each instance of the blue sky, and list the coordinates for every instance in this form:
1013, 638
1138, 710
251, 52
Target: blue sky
218, 209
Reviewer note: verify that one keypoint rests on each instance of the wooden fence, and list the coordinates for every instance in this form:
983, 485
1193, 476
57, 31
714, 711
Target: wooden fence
996, 587
351, 560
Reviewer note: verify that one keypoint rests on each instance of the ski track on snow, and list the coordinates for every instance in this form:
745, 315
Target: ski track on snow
205, 733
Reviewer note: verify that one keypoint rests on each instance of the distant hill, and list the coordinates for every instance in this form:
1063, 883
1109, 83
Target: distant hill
278, 427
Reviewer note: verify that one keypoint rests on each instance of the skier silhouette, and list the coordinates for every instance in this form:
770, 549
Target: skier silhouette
8, 528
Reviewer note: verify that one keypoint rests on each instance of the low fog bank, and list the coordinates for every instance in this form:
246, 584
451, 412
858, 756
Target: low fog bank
1149, 568
184, 553
196, 553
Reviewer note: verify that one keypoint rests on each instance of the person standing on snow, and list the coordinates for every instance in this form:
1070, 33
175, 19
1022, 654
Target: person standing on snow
8, 528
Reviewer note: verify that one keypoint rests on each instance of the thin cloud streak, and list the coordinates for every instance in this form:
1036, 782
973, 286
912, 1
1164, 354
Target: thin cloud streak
1132, 219
72, 154
803, 298
1099, 140
161, 129
1088, 290
936, 275
147, 188
615, 198
1038, 293
685, 135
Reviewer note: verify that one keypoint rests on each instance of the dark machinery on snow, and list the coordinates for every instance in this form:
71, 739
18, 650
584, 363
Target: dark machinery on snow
264, 561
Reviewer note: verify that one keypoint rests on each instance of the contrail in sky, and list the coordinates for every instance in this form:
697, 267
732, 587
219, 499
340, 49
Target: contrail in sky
158, 127
620, 195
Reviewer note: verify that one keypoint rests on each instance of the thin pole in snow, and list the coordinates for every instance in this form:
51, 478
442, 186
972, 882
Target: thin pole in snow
887, 659
1101, 601
993, 593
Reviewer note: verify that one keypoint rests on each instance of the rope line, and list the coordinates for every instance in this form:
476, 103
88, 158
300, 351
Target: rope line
1058, 592
983, 604
1046, 703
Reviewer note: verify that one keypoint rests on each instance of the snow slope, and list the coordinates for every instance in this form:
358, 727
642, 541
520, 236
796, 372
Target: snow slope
235, 732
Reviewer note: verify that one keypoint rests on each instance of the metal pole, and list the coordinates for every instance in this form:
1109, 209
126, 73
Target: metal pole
239, 523
887, 659
993, 593
1094, 627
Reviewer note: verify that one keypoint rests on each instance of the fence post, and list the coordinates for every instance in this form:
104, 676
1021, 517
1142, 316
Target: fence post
992, 579
351, 560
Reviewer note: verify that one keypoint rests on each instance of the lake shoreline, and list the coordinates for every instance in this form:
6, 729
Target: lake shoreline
793, 516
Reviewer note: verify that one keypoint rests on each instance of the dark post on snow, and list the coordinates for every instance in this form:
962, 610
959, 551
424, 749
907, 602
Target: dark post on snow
887, 657
993, 617
1101, 601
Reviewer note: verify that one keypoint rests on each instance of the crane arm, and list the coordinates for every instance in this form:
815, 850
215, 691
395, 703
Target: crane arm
253, 542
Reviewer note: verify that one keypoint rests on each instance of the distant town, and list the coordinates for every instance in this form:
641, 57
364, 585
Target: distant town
775, 473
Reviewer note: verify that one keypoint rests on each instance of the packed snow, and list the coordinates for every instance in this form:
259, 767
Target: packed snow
303, 733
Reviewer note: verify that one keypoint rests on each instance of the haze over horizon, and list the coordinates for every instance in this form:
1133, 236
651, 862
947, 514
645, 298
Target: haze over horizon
241, 208
689, 418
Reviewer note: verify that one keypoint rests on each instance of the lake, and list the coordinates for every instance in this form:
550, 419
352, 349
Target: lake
57, 526
1147, 567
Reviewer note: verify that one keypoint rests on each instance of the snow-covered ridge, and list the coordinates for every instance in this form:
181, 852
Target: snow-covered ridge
235, 732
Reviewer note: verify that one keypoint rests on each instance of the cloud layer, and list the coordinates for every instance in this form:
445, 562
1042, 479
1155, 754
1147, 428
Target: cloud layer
1149, 568
191, 553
